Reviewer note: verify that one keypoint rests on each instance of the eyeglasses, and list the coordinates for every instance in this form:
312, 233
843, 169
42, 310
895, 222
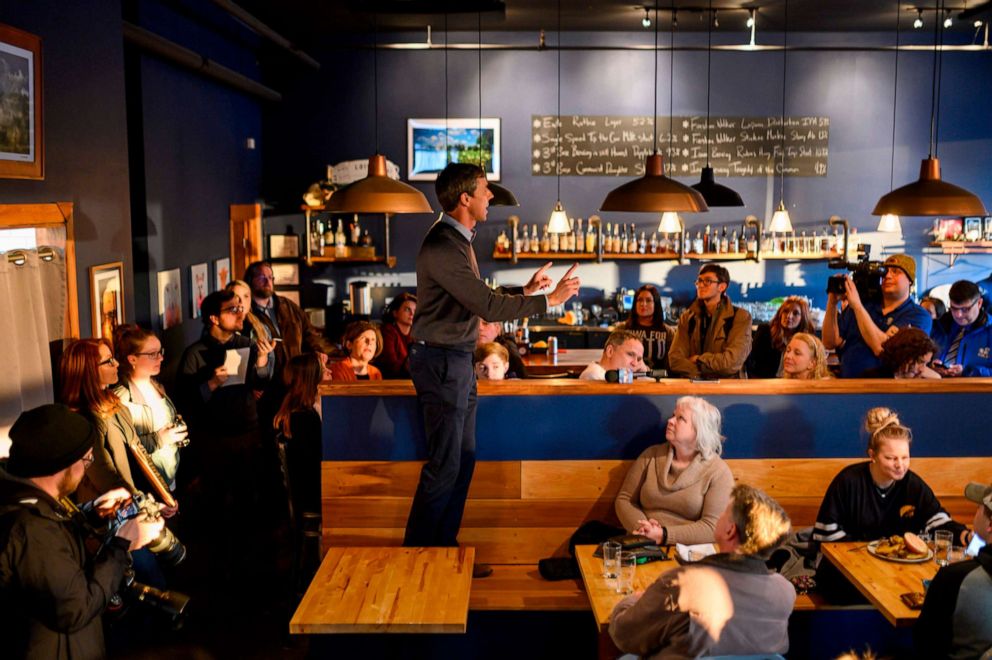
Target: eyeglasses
109, 361
263, 277
160, 353
964, 309
706, 282
232, 310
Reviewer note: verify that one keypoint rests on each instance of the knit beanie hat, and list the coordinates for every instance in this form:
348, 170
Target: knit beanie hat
48, 439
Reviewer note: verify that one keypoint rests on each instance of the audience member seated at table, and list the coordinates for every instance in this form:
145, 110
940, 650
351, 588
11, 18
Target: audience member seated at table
905, 354
713, 338
881, 497
490, 331
727, 604
396, 338
859, 332
159, 427
623, 350
647, 321
492, 362
933, 305
674, 492
770, 339
362, 342
964, 335
805, 358
955, 621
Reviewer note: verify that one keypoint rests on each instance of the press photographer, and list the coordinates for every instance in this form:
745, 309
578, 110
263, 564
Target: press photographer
52, 594
864, 325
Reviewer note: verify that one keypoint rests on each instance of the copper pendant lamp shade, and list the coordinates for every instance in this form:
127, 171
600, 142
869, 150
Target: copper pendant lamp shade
501, 196
714, 193
929, 196
654, 192
377, 193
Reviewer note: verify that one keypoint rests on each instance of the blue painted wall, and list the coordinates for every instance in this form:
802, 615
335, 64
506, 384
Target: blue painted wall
330, 117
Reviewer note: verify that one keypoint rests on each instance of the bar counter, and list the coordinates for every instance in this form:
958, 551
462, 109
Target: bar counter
568, 419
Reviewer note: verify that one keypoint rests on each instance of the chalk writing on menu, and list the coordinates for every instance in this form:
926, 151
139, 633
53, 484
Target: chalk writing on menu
616, 145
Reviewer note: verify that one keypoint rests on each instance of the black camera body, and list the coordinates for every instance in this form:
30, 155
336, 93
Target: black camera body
166, 546
867, 276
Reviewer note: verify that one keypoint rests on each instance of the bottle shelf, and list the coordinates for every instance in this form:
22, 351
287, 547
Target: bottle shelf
671, 256
963, 247
389, 261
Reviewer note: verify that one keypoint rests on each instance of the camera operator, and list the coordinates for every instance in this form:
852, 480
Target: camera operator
863, 326
51, 593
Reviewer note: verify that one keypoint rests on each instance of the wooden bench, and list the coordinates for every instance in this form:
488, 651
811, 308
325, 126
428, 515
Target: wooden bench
521, 511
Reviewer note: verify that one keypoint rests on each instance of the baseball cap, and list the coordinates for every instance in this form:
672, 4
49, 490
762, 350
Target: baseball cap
979, 494
903, 262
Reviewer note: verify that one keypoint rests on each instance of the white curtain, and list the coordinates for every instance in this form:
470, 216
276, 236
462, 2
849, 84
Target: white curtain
34, 295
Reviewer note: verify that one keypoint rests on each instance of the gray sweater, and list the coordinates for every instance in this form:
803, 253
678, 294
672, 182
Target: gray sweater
451, 296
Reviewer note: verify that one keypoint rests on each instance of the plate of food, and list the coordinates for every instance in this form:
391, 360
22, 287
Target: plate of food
906, 549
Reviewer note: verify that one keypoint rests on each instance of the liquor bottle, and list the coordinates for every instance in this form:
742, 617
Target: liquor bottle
569, 237
838, 243
518, 242
642, 245
623, 241
555, 242
545, 240
525, 241
578, 237
317, 238
328, 234
698, 244
608, 238
501, 241
339, 239
356, 232
735, 243
366, 239
752, 243
653, 243
590, 239
706, 240
535, 243
634, 245
724, 241
804, 243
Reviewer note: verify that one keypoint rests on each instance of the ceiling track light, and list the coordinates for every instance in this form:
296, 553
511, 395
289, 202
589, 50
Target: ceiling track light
646, 21
750, 18
918, 22
948, 21
977, 23
716, 21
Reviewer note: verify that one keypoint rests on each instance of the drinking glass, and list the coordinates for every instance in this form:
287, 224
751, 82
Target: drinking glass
628, 566
955, 554
611, 559
942, 543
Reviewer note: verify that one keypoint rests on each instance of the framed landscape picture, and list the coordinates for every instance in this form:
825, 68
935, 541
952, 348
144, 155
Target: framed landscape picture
22, 152
433, 143
107, 298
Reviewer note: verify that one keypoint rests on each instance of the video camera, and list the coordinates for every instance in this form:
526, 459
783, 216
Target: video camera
867, 275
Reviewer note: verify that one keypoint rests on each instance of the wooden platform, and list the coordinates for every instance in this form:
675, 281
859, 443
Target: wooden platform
388, 590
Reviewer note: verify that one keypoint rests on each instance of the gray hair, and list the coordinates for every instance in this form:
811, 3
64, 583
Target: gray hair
706, 419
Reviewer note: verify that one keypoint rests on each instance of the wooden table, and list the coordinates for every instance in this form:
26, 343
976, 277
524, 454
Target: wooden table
602, 592
880, 581
388, 590
568, 360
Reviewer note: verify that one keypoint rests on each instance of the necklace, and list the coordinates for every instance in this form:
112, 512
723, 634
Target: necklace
882, 492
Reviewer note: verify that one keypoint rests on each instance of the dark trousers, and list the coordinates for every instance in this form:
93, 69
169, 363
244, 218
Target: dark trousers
445, 384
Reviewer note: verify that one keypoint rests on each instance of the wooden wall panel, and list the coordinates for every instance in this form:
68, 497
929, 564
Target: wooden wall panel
492, 479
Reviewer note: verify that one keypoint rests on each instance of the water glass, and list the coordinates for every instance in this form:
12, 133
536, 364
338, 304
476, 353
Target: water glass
955, 554
628, 566
611, 559
943, 541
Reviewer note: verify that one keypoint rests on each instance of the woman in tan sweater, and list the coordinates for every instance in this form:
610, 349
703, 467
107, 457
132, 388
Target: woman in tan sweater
676, 491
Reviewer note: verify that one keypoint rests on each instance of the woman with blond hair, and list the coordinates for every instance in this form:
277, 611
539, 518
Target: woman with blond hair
805, 358
771, 339
676, 491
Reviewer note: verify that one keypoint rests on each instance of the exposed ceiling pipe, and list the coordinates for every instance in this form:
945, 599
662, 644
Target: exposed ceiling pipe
173, 52
266, 32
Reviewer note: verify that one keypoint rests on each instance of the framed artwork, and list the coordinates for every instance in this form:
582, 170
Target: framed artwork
433, 143
199, 287
22, 147
291, 294
973, 229
287, 274
948, 229
284, 246
107, 298
170, 298
222, 272
987, 228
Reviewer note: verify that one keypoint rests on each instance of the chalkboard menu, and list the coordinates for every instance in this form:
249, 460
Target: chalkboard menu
616, 145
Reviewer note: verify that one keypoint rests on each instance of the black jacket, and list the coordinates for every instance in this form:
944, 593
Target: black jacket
51, 594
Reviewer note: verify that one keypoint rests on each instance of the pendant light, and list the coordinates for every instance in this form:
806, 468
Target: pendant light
501, 195
654, 191
781, 222
889, 222
558, 222
714, 193
929, 195
671, 223
377, 193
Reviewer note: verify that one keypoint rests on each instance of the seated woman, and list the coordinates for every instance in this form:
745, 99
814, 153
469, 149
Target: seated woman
770, 339
647, 321
805, 358
159, 427
362, 342
905, 354
492, 361
675, 492
881, 497
396, 338
298, 420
